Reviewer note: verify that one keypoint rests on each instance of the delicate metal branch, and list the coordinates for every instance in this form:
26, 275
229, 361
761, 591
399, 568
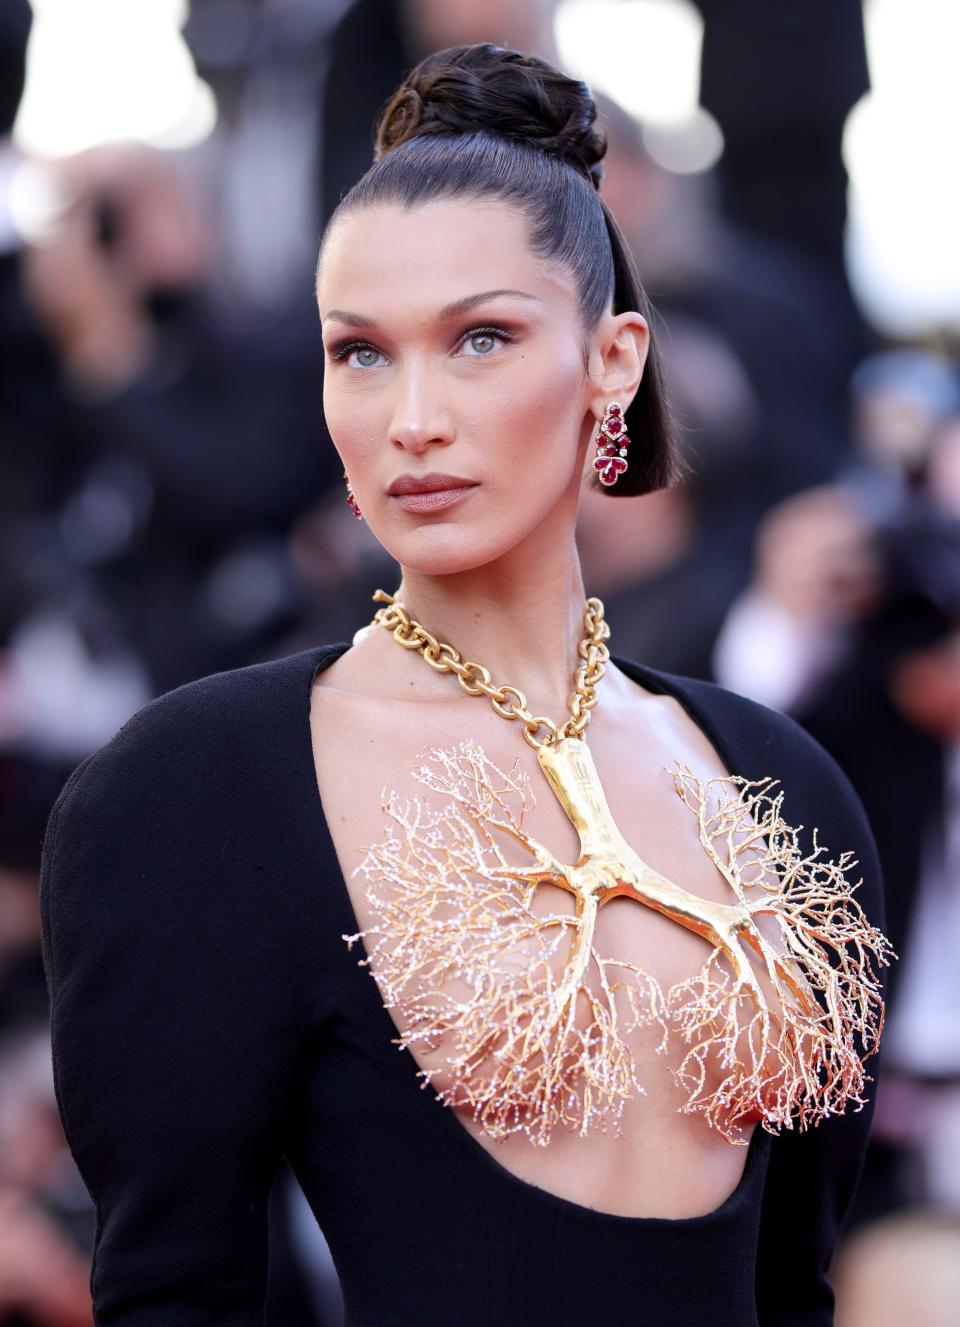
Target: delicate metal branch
778, 1020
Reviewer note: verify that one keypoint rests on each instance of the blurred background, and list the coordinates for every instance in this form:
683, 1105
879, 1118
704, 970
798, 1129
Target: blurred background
171, 504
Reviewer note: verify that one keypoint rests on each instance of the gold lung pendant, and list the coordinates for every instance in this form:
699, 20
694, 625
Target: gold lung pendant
458, 949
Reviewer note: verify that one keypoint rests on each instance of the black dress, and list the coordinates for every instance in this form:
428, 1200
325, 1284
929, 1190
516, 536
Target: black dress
207, 1018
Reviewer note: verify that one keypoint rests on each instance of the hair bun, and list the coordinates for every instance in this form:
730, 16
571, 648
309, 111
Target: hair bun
463, 89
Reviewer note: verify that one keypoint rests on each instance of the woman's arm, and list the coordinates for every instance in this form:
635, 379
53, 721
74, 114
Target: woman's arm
173, 1055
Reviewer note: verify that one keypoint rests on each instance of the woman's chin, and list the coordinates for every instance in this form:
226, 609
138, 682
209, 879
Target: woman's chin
442, 548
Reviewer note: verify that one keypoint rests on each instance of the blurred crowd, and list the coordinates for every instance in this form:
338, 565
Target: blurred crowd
171, 505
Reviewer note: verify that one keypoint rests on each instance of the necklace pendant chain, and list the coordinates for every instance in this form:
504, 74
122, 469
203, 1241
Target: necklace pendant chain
508, 701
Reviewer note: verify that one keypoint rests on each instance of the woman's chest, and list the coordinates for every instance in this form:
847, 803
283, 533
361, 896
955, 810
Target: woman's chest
596, 869
532, 995
451, 820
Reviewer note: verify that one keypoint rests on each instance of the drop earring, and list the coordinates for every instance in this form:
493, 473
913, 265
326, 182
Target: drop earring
352, 500
612, 442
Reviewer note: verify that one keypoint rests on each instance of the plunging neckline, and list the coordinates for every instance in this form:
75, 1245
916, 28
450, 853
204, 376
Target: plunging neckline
757, 1149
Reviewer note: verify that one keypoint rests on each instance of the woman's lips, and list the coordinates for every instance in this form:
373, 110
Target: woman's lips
435, 500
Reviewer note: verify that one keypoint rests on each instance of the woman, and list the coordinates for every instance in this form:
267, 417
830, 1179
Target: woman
628, 1119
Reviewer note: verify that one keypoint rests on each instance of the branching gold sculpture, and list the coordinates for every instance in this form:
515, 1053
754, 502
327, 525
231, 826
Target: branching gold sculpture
778, 1022
451, 909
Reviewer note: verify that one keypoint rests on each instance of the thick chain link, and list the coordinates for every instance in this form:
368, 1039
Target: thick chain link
508, 702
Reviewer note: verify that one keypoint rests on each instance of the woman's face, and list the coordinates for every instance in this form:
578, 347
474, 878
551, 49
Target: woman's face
452, 349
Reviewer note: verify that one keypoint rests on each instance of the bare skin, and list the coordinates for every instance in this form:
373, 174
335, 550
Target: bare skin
497, 574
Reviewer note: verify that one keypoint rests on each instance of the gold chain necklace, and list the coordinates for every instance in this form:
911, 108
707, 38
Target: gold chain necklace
450, 905
508, 702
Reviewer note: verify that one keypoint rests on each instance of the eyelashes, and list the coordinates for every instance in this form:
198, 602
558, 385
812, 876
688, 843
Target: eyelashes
499, 332
341, 349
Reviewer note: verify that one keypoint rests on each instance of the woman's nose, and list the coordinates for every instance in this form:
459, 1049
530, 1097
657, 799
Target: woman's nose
419, 419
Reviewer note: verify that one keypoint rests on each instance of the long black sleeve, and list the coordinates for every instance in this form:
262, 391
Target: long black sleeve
172, 1056
813, 1176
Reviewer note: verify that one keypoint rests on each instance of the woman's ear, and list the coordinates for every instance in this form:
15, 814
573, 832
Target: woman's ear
617, 355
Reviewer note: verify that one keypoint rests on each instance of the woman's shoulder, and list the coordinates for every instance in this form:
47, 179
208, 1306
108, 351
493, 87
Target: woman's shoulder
746, 732
210, 728
757, 742
180, 818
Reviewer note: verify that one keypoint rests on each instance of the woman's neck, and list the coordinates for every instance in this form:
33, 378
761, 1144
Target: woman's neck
521, 617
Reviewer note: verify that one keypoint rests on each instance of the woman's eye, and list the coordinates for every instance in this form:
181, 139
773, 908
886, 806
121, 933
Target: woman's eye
366, 356
483, 341
477, 344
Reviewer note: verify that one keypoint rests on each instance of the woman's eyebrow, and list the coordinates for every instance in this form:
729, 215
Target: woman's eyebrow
471, 301
448, 311
344, 316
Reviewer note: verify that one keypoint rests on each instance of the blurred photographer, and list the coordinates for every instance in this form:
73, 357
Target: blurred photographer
852, 623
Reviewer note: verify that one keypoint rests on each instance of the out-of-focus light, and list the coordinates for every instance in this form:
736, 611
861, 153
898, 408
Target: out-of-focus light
37, 200
687, 148
107, 70
900, 150
646, 55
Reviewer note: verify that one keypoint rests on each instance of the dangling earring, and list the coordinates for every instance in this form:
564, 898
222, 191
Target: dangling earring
352, 500
612, 442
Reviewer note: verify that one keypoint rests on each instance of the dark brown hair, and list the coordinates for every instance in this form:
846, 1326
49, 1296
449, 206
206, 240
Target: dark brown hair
485, 121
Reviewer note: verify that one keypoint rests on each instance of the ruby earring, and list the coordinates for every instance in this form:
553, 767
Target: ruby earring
612, 442
352, 500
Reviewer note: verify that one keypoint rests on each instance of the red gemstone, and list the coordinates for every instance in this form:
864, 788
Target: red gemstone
608, 467
614, 410
614, 425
